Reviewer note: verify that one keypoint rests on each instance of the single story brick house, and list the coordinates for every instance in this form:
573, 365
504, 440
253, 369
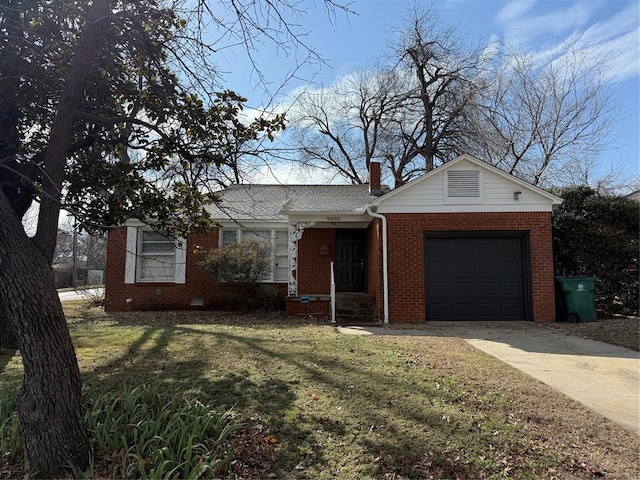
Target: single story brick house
465, 241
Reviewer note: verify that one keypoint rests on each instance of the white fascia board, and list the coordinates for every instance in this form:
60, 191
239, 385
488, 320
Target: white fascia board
461, 208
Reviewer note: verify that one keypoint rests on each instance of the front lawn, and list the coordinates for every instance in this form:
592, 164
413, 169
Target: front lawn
316, 403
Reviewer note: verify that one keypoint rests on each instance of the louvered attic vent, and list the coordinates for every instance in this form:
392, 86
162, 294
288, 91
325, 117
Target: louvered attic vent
463, 184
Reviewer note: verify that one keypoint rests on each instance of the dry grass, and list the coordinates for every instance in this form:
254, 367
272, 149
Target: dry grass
328, 405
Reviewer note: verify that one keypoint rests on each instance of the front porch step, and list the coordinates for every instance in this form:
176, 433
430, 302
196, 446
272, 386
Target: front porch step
355, 309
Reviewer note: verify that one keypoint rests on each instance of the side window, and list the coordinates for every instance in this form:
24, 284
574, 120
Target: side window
229, 237
279, 240
264, 235
152, 257
156, 257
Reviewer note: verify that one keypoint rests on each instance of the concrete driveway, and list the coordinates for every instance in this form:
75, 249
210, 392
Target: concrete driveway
603, 377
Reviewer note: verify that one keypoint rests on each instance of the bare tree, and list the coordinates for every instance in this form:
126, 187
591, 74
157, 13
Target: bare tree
340, 127
444, 79
410, 114
545, 119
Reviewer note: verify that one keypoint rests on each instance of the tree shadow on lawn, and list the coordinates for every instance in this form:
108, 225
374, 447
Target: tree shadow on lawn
149, 360
313, 400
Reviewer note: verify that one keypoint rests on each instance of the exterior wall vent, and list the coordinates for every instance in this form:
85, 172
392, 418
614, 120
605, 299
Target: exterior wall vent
463, 184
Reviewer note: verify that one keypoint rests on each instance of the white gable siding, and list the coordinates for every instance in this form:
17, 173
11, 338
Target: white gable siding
428, 195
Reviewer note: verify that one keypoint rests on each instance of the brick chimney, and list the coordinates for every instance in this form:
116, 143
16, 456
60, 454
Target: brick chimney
374, 179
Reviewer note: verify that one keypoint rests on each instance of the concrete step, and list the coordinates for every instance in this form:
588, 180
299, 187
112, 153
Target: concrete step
355, 309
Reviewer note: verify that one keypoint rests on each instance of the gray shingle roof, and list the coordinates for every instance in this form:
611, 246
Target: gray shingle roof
273, 202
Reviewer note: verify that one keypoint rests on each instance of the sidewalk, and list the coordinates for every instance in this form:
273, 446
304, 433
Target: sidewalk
70, 294
603, 377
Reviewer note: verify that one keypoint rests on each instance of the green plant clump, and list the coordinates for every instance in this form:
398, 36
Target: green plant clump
240, 269
143, 433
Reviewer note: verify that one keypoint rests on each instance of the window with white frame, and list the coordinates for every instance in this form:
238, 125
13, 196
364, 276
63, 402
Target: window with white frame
153, 257
156, 257
279, 240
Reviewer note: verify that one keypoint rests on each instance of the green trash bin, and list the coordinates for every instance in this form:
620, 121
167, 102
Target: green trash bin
577, 298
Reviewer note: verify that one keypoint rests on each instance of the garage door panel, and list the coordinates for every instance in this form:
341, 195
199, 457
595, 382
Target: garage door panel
485, 267
513, 289
439, 289
510, 248
462, 310
442, 249
488, 311
487, 288
475, 278
512, 312
462, 288
440, 269
510, 268
460, 267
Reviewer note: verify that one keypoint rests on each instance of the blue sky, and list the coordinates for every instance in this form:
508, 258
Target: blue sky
609, 27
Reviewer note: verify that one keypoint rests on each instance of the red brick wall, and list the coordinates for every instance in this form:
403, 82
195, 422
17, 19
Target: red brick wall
316, 251
162, 296
406, 257
315, 308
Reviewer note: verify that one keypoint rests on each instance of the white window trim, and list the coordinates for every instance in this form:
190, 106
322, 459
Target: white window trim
133, 258
273, 233
464, 200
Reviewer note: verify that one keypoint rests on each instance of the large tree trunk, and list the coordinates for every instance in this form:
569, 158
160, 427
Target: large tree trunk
9, 141
7, 337
50, 403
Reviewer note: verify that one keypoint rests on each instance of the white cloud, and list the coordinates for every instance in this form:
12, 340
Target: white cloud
523, 27
612, 42
620, 57
616, 43
513, 10
621, 22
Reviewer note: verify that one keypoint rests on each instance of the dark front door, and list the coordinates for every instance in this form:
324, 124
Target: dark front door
349, 264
